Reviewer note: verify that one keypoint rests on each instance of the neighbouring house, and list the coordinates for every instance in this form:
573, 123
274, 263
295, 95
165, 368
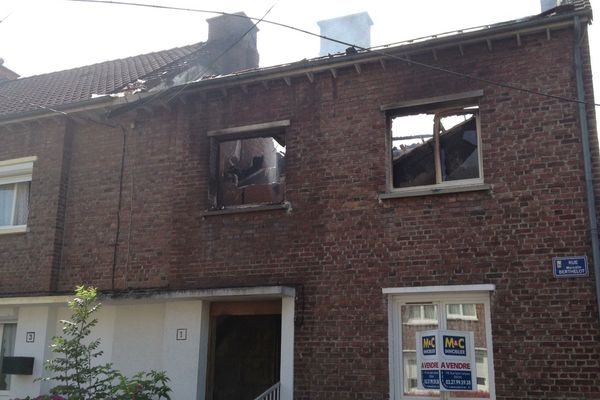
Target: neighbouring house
292, 229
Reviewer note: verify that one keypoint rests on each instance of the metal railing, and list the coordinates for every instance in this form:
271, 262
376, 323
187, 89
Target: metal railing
271, 393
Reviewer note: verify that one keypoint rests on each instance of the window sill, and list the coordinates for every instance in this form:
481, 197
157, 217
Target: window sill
8, 230
248, 209
428, 191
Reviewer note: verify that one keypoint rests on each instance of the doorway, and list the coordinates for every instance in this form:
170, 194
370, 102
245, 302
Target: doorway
244, 349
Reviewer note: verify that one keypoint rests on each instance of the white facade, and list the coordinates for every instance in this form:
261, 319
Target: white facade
164, 334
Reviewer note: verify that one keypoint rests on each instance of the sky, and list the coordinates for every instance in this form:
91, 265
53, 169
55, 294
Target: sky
39, 36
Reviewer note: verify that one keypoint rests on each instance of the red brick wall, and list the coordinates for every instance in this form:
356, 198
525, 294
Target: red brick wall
339, 242
29, 262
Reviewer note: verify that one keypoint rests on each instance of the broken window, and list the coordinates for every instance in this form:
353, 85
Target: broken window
432, 147
248, 168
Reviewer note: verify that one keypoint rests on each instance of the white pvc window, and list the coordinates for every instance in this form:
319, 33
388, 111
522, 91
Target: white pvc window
413, 312
15, 183
423, 314
462, 311
14, 204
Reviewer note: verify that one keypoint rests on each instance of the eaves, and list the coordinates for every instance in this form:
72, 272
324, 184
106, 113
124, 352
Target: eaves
488, 34
308, 68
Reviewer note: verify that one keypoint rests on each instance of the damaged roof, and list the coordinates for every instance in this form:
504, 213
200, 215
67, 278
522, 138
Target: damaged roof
62, 89
580, 5
76, 85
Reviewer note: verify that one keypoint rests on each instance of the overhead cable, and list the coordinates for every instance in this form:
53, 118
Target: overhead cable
374, 51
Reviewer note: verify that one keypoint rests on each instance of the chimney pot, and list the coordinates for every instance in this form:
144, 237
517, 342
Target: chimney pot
354, 29
549, 4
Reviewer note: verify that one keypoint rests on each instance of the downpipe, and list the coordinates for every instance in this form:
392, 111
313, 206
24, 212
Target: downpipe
587, 162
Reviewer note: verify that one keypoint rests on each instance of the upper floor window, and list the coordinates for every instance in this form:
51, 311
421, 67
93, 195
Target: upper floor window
435, 143
248, 165
15, 180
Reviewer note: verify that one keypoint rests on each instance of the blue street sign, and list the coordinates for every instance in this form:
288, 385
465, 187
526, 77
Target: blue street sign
568, 267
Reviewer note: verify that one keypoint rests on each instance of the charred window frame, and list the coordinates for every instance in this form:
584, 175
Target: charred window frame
434, 144
247, 165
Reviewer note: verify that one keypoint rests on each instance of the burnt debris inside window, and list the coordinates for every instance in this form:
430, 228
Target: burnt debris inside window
434, 147
251, 171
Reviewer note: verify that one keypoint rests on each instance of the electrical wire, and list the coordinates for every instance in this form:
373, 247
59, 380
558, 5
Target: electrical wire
124, 145
4, 19
374, 51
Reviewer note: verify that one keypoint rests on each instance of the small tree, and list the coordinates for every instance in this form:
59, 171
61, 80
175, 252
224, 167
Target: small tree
75, 371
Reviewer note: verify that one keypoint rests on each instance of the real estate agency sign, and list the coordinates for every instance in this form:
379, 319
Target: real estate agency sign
446, 361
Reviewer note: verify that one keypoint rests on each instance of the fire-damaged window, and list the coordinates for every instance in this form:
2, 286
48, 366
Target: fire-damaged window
248, 165
436, 146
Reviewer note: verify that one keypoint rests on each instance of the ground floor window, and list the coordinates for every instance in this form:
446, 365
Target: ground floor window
7, 347
460, 309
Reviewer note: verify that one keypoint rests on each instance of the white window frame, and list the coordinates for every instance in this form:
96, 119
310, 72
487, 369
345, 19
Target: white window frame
12, 172
440, 295
422, 320
461, 315
433, 105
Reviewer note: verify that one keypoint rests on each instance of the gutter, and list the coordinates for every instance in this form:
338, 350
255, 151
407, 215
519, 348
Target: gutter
587, 162
307, 67
106, 102
373, 55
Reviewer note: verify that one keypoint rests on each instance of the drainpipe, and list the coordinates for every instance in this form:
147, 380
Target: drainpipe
587, 163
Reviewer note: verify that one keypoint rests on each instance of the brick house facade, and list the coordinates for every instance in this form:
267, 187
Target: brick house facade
125, 203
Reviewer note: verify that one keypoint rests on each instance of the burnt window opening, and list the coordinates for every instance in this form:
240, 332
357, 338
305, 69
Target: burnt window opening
249, 170
436, 147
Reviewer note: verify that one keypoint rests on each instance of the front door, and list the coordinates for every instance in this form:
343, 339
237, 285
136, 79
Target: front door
244, 352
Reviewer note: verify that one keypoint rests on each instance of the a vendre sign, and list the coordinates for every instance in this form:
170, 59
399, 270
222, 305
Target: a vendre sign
446, 360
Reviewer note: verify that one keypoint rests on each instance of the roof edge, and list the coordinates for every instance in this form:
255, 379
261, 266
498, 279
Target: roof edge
498, 31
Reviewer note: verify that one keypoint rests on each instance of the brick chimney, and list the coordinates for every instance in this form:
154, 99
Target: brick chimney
546, 5
223, 32
5, 73
354, 29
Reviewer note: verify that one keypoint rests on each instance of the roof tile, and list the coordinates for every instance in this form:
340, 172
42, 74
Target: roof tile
56, 89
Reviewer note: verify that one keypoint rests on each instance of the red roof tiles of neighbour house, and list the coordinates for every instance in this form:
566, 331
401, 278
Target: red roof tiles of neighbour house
56, 89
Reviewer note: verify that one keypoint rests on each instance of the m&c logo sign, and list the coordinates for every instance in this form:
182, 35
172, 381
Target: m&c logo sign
454, 345
453, 368
428, 345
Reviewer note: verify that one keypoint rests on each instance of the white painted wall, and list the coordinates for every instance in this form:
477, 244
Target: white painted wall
32, 319
141, 335
181, 357
137, 338
287, 348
